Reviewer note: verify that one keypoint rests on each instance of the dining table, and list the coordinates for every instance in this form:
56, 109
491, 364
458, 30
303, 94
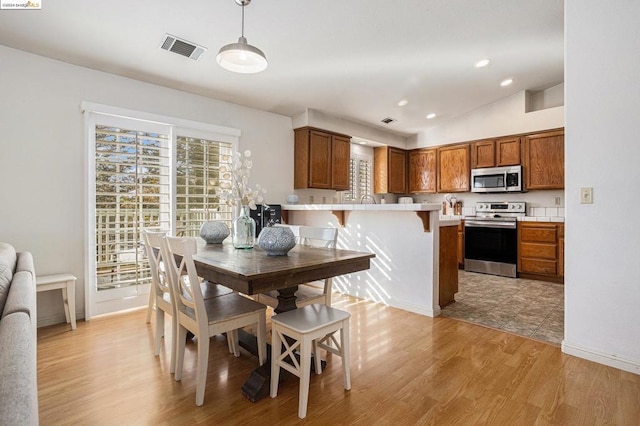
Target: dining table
253, 271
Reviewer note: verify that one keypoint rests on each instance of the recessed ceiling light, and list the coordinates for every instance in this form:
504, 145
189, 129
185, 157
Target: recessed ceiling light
432, 115
506, 82
402, 102
362, 143
482, 63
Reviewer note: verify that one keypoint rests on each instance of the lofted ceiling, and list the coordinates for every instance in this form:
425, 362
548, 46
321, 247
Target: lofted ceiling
354, 59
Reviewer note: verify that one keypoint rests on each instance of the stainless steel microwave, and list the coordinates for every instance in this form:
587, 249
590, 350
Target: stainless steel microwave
497, 179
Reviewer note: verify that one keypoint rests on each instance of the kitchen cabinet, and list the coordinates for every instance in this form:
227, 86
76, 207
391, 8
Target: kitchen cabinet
483, 154
422, 171
461, 245
495, 153
321, 159
543, 160
540, 255
448, 272
453, 168
390, 170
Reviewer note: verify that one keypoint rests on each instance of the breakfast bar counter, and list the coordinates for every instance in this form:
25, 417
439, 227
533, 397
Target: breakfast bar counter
405, 239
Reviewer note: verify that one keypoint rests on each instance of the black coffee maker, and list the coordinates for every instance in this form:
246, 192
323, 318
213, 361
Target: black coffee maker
266, 215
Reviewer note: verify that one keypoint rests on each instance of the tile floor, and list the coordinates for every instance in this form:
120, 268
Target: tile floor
529, 308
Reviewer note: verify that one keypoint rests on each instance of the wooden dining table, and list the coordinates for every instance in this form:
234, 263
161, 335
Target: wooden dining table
252, 271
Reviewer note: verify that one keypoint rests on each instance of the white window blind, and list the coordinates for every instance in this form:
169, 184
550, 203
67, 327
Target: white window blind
359, 178
131, 194
198, 164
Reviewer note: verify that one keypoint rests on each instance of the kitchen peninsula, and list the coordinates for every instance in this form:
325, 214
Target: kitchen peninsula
406, 240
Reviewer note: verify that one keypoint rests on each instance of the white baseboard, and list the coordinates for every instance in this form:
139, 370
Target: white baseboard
601, 358
54, 319
416, 309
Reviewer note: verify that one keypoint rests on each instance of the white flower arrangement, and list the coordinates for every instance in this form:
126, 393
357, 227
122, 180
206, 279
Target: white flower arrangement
234, 182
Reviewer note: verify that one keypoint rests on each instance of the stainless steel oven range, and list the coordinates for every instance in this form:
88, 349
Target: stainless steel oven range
491, 238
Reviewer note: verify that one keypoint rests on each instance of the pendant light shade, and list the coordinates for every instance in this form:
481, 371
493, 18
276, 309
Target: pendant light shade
241, 57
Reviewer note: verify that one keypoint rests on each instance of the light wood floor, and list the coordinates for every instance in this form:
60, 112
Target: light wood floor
405, 369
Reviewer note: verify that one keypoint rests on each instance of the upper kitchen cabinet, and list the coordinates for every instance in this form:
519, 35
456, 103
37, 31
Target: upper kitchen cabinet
422, 171
483, 154
543, 160
453, 168
495, 153
390, 170
321, 159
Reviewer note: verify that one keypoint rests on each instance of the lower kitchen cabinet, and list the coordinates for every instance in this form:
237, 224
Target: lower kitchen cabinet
461, 245
541, 251
448, 283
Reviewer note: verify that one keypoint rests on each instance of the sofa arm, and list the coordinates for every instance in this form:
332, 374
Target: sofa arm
25, 263
22, 297
18, 371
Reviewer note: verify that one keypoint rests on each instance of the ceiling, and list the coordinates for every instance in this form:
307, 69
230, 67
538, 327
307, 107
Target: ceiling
354, 59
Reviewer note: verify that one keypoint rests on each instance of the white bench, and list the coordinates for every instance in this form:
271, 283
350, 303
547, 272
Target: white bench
66, 283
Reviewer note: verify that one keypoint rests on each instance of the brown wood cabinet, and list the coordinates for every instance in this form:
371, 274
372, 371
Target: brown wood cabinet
448, 282
508, 151
483, 154
495, 153
321, 159
461, 245
390, 170
453, 168
422, 171
543, 160
539, 252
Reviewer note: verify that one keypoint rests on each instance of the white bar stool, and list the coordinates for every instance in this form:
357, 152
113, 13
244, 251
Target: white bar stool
311, 326
66, 283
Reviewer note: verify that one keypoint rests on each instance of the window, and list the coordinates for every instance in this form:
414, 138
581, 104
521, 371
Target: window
145, 172
131, 194
198, 163
359, 178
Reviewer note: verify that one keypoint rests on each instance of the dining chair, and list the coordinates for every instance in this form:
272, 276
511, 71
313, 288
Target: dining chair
209, 290
160, 292
315, 291
306, 329
207, 318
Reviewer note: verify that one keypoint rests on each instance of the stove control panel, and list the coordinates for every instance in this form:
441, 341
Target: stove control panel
515, 208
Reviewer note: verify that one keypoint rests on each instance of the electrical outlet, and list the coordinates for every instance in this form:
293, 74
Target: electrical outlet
558, 200
586, 195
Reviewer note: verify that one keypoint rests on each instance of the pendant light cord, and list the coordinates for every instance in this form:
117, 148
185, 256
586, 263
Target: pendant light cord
243, 19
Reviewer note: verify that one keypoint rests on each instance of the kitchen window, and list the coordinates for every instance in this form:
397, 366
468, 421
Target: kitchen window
360, 181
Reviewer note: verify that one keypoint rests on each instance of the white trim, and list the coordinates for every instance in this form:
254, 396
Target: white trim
416, 309
601, 358
87, 106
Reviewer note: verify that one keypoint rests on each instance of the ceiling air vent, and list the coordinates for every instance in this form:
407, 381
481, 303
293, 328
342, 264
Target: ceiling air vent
182, 47
388, 120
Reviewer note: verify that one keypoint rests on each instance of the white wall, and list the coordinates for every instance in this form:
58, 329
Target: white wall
42, 150
602, 306
507, 116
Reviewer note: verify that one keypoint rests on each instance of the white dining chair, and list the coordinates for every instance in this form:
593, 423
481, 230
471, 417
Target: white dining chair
316, 291
209, 290
305, 330
161, 292
207, 318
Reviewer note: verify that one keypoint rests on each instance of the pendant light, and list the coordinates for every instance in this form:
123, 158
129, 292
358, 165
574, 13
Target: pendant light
242, 57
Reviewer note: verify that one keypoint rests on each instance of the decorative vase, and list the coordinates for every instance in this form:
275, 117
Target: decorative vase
243, 231
214, 232
276, 240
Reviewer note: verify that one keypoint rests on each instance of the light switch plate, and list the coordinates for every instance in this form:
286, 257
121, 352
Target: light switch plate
586, 195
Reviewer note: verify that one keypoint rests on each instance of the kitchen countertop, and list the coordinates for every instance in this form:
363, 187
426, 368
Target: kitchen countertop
415, 207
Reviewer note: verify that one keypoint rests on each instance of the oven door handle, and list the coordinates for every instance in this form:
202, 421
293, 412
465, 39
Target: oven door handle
490, 224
